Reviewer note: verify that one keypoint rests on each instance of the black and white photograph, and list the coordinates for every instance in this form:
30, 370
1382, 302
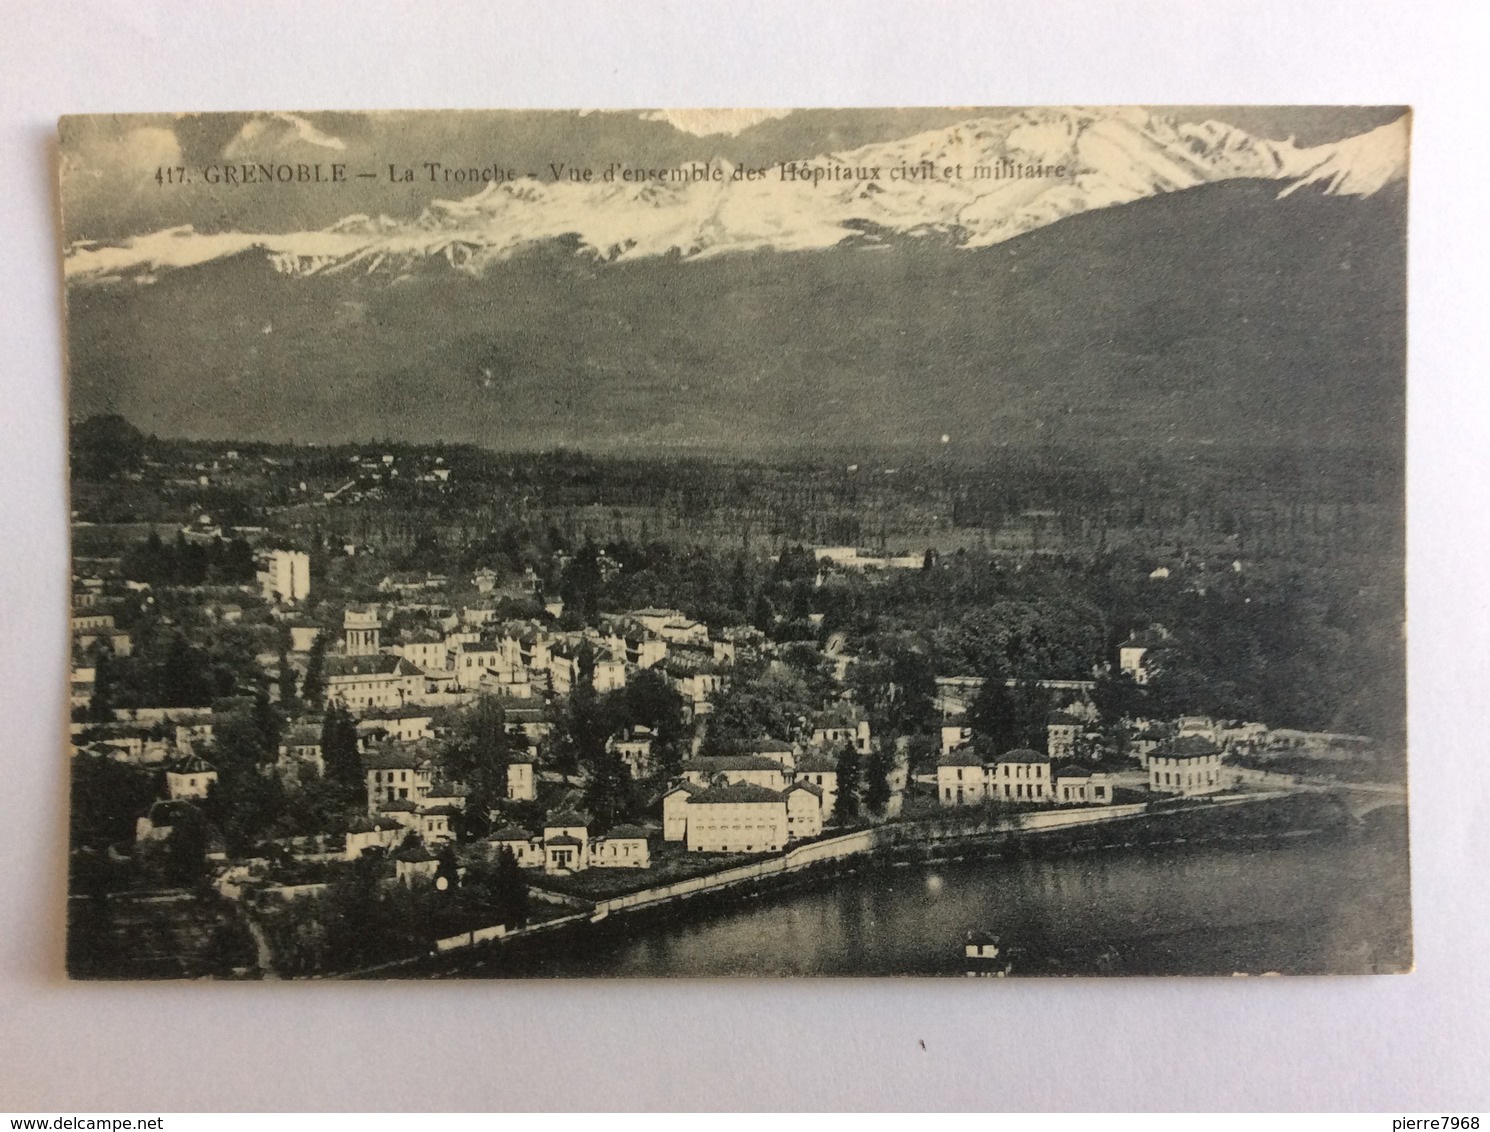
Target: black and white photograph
960, 542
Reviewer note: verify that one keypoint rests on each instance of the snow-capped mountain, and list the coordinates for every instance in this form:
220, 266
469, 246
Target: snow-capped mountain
1109, 157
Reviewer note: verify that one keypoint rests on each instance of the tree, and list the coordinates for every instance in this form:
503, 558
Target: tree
477, 754
245, 804
511, 891
248, 734
814, 669
101, 703
107, 797
913, 706
104, 447
762, 616
846, 802
183, 677
648, 699
186, 847
339, 747
584, 663
288, 699
1005, 718
758, 704
313, 690
608, 793
877, 768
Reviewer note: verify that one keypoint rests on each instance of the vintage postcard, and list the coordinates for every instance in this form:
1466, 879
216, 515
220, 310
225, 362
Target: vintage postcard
737, 542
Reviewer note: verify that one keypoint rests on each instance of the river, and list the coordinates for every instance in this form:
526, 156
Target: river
1311, 903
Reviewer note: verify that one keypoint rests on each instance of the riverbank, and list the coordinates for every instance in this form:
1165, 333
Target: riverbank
1295, 887
949, 838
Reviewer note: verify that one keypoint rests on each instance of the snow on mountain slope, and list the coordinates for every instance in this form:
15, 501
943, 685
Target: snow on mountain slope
1105, 157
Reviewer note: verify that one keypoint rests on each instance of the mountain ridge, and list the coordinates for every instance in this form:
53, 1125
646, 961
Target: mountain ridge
1215, 315
1112, 157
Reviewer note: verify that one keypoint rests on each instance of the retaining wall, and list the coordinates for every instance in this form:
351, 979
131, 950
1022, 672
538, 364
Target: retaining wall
817, 852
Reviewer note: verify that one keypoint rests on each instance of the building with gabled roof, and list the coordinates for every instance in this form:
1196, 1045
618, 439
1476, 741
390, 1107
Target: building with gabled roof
806, 811
840, 725
190, 777
782, 753
373, 833
675, 809
1135, 654
737, 818
413, 862
758, 770
961, 778
1021, 775
376, 681
1187, 766
819, 768
1062, 730
526, 849
1076, 785
396, 773
622, 847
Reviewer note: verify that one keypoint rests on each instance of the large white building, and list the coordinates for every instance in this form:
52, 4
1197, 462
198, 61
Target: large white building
737, 818
566, 846
963, 779
361, 629
1021, 776
373, 681
1077, 785
1188, 766
286, 576
757, 770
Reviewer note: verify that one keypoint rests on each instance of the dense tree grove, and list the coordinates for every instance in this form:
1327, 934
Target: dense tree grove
848, 766
189, 563
1266, 583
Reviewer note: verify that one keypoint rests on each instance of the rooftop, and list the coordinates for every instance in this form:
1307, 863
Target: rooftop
510, 833
191, 764
408, 711
964, 756
835, 717
762, 746
1022, 755
372, 825
379, 665
720, 763
735, 793
623, 832
392, 757
1189, 747
818, 762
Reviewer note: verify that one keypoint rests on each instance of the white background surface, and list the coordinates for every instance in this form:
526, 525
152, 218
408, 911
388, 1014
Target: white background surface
1392, 1043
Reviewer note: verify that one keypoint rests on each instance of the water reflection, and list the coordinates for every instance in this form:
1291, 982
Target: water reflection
1302, 905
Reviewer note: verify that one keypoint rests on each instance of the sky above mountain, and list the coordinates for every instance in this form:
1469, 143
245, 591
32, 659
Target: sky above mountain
109, 162
1165, 274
